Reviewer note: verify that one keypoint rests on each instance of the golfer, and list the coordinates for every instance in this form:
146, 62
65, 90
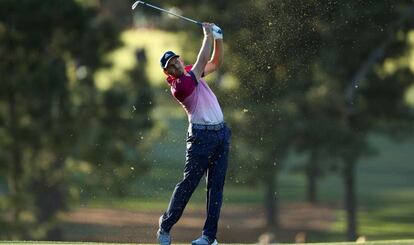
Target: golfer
208, 136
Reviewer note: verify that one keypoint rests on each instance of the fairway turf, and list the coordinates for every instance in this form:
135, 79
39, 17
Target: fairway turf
393, 242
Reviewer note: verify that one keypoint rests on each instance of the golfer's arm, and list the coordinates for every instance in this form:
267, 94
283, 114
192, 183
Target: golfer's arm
217, 58
203, 56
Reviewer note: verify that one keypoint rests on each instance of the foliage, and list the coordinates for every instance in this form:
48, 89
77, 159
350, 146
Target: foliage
56, 126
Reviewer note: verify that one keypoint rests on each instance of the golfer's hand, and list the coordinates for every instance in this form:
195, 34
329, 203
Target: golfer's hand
207, 29
217, 32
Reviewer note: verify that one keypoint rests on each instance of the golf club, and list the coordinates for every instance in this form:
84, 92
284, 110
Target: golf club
165, 11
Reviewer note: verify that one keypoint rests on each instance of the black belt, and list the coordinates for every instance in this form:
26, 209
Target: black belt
208, 127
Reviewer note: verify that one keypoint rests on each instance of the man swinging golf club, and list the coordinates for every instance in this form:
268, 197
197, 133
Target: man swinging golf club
208, 136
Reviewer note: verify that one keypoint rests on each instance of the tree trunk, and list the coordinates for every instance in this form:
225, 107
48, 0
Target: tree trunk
14, 176
312, 176
271, 205
350, 200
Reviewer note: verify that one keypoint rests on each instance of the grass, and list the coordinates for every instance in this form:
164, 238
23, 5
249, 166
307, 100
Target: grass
385, 190
390, 242
384, 186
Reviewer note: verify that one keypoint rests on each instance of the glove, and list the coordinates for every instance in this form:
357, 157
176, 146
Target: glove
217, 32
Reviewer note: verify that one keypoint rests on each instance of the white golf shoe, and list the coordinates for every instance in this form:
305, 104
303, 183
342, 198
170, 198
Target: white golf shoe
163, 237
204, 240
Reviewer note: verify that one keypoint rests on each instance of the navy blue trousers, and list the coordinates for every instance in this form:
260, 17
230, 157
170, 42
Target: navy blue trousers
207, 153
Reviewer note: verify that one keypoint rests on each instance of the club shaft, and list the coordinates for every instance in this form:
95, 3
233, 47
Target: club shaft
168, 12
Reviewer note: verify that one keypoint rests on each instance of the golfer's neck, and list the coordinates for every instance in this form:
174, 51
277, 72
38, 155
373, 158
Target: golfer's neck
184, 73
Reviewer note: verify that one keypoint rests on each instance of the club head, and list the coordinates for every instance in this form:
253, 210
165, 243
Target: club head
135, 4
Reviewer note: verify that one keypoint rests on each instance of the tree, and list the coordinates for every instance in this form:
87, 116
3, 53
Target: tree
351, 61
311, 48
53, 117
272, 52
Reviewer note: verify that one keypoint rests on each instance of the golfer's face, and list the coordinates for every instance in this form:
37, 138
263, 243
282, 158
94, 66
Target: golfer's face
175, 67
